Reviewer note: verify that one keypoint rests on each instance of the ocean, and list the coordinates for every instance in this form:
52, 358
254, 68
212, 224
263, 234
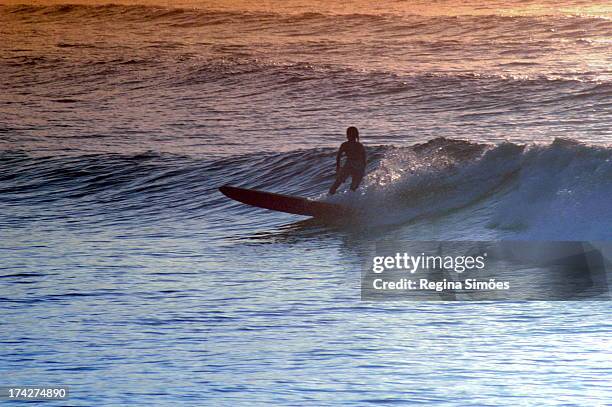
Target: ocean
127, 276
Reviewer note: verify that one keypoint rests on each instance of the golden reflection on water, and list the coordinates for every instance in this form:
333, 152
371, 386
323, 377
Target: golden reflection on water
418, 7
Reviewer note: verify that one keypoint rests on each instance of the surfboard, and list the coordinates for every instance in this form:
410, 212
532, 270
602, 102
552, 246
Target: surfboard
285, 203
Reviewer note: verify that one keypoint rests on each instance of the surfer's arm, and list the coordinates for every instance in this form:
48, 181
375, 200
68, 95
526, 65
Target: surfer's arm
339, 156
364, 159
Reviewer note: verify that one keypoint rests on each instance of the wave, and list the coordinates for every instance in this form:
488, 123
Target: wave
228, 70
279, 50
556, 191
373, 81
321, 22
488, 93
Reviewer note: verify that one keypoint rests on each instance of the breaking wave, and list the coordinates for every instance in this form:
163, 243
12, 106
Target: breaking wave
557, 191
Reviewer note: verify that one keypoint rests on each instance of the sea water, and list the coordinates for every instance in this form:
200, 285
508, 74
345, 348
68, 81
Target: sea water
127, 276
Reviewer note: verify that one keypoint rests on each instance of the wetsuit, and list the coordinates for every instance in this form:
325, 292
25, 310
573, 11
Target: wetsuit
354, 166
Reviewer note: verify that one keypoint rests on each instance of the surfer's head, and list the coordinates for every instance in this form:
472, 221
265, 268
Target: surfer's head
352, 134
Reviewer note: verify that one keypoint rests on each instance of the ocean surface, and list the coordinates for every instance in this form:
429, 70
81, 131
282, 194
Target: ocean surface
127, 276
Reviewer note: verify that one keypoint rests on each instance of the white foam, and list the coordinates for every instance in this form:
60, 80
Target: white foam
559, 191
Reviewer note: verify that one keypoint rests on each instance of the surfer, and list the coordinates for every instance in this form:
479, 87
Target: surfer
355, 164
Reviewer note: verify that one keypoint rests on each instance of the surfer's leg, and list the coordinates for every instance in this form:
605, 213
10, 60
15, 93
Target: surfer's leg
340, 178
356, 177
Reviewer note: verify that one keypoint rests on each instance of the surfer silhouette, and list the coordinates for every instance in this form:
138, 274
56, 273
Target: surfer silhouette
355, 163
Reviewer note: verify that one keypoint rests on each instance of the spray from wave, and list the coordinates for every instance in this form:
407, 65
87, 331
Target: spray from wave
556, 191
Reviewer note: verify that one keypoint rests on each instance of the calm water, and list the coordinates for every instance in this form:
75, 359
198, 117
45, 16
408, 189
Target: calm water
126, 275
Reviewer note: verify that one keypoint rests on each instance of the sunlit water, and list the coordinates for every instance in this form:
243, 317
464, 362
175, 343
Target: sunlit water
126, 275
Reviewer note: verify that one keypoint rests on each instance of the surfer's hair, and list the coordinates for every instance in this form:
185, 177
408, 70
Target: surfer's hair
352, 133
